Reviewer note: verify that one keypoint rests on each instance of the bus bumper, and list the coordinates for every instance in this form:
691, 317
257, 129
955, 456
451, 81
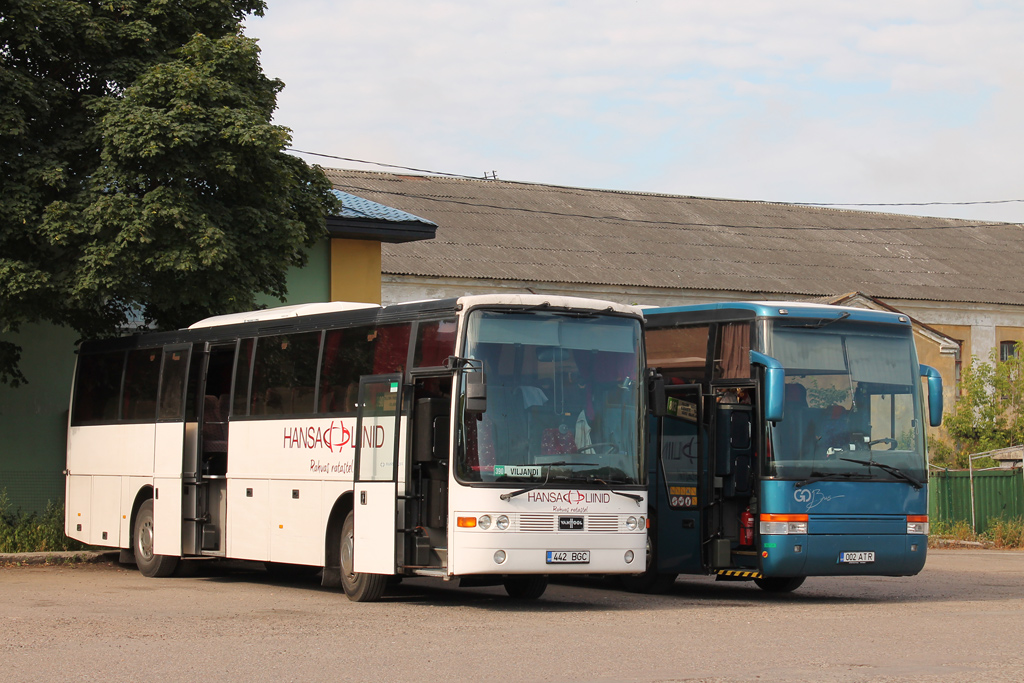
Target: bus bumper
822, 555
476, 553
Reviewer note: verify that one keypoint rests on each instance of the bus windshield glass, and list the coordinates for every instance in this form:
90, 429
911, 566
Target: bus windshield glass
562, 399
852, 402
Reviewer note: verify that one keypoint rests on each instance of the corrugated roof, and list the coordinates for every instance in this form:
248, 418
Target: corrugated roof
518, 231
359, 207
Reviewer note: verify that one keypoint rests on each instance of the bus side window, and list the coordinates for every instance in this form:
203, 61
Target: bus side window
435, 341
141, 379
347, 355
172, 387
284, 374
243, 366
97, 388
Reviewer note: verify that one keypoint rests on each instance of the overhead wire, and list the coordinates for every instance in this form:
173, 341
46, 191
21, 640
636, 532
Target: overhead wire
622, 219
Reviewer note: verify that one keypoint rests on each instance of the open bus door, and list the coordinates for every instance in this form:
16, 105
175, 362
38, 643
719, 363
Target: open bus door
171, 452
682, 449
375, 503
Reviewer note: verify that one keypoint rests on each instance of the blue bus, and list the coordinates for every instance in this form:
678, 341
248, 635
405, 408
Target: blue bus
786, 440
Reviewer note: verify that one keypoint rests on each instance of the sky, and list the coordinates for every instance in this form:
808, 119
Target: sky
862, 101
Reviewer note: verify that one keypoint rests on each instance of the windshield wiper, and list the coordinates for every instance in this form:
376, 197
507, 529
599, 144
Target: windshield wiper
894, 471
822, 322
547, 475
830, 476
631, 496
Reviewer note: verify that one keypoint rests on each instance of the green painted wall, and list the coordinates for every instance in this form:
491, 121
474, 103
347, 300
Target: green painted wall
307, 285
34, 418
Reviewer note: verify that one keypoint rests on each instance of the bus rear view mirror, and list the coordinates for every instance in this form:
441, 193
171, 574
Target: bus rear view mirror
934, 394
774, 385
476, 392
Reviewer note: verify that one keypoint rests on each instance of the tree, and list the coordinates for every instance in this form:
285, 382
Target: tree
989, 413
141, 173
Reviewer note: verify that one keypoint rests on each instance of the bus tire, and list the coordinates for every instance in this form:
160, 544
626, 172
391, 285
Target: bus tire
650, 581
780, 584
526, 586
358, 587
149, 563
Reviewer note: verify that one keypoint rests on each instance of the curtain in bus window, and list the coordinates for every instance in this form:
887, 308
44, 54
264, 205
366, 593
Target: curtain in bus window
348, 355
733, 351
435, 341
880, 359
141, 379
97, 388
391, 348
284, 374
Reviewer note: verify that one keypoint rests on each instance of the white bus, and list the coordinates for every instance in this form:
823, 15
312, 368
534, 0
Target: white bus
496, 439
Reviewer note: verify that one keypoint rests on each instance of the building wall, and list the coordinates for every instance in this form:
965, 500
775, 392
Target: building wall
34, 418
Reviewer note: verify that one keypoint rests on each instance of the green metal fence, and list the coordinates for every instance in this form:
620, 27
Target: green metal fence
996, 494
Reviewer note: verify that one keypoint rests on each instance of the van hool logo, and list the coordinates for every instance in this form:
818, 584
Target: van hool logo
336, 436
570, 497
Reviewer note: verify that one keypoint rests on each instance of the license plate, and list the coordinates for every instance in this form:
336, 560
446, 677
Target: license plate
857, 558
568, 557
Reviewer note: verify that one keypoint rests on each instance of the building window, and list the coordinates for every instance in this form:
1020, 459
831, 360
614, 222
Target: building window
1007, 350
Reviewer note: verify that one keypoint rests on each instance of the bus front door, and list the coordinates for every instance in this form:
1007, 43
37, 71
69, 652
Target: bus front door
678, 527
375, 506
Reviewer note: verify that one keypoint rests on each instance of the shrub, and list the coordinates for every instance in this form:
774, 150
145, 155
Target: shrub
1006, 533
22, 532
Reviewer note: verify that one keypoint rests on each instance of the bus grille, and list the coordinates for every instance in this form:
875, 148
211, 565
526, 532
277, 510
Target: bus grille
599, 523
602, 523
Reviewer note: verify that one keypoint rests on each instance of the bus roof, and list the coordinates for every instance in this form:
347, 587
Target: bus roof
780, 309
471, 301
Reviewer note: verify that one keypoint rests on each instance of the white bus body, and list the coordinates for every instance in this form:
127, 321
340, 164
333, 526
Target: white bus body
208, 442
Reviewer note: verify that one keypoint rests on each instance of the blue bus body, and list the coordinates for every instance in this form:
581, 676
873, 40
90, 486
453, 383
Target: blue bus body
787, 441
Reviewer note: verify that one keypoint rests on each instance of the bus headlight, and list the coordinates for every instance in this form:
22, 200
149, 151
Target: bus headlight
782, 525
629, 556
484, 522
917, 524
499, 556
502, 522
631, 523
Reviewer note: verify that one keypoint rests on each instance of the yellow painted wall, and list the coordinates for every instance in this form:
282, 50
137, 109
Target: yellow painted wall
355, 271
928, 353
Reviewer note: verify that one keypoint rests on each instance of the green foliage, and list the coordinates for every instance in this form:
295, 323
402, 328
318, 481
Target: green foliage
1006, 533
941, 453
959, 530
141, 172
988, 414
28, 533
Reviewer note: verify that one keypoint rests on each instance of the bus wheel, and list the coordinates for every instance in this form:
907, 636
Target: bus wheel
650, 581
780, 584
149, 563
526, 586
358, 587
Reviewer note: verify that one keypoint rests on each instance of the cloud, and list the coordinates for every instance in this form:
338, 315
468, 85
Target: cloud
797, 100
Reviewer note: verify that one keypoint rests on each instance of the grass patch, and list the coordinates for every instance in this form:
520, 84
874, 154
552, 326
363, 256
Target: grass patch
1001, 533
33, 532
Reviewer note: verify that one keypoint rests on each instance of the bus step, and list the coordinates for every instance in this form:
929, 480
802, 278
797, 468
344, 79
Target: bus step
425, 571
737, 575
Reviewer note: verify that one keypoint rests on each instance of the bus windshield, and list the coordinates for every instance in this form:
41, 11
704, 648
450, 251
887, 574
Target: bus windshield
852, 402
562, 404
